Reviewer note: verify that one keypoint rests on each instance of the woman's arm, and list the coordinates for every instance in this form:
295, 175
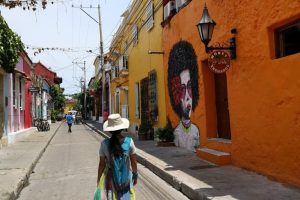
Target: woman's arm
134, 168
101, 167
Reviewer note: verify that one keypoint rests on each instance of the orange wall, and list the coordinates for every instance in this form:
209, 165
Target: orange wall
263, 92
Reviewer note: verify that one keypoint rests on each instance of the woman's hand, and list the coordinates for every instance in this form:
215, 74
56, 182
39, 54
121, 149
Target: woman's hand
134, 177
134, 168
101, 167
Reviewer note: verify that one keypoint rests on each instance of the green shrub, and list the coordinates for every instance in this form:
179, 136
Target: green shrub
166, 134
145, 127
54, 114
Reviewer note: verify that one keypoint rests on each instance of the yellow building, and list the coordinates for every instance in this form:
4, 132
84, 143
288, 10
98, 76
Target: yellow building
69, 105
137, 86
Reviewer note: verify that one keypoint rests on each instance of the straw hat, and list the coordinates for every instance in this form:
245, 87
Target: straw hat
115, 122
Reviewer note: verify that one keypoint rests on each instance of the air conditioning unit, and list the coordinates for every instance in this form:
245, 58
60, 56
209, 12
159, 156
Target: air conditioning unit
169, 7
180, 3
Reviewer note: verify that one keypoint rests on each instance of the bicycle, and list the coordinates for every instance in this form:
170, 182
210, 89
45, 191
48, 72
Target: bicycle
42, 124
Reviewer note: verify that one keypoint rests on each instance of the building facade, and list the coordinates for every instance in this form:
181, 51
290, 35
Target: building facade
250, 113
43, 100
14, 101
138, 65
3, 136
27, 67
98, 96
69, 105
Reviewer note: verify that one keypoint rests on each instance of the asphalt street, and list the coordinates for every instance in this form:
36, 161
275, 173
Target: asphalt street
68, 170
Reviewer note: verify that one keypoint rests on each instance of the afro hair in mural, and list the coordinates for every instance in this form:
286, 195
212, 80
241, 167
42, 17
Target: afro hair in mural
182, 57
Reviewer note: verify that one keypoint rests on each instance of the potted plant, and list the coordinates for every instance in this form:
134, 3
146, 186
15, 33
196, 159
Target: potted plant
144, 129
165, 135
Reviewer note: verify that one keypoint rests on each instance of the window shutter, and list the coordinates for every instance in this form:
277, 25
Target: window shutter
137, 100
150, 19
153, 96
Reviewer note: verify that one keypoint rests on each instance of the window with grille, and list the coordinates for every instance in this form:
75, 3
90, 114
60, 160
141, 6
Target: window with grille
153, 96
149, 14
125, 47
134, 35
116, 71
125, 62
117, 102
144, 99
14, 90
113, 74
137, 100
288, 39
20, 93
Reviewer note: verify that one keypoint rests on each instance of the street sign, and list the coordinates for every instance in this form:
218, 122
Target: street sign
219, 61
33, 89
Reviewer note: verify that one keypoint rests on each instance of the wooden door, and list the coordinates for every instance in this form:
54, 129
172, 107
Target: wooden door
223, 120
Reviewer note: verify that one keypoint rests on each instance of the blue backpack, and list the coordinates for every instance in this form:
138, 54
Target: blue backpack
121, 167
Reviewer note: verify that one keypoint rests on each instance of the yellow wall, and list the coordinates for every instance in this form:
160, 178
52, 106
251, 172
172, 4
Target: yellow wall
69, 106
140, 63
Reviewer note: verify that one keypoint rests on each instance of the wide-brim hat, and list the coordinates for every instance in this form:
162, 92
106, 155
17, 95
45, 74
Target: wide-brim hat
115, 122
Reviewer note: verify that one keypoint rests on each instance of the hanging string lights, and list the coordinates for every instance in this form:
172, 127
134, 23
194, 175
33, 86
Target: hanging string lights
38, 50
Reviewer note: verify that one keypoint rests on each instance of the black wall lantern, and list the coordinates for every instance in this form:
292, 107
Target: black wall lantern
206, 28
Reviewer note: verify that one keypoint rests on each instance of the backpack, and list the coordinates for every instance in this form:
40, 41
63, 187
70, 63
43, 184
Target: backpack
121, 168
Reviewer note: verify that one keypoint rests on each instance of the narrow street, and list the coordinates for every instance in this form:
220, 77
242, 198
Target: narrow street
68, 170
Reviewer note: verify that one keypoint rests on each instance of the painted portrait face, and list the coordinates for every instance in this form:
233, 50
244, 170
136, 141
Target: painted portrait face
186, 94
183, 79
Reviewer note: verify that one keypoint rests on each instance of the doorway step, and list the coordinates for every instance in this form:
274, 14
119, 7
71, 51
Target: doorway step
217, 157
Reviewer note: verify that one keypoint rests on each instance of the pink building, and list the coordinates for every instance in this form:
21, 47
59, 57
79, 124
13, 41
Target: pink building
14, 100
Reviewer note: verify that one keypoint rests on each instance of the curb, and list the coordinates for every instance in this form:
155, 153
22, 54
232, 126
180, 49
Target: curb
172, 180
24, 181
96, 130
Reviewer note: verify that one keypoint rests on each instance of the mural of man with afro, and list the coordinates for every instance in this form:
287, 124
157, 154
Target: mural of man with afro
183, 92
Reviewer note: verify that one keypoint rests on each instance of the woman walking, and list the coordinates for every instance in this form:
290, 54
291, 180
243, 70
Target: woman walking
117, 170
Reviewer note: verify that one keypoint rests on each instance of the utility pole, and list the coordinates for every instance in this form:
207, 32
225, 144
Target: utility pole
101, 52
84, 85
102, 63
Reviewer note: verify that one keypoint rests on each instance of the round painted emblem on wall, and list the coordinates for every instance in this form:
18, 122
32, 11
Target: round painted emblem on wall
219, 61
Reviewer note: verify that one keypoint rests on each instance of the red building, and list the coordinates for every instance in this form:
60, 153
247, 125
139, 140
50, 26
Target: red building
49, 78
47, 74
27, 65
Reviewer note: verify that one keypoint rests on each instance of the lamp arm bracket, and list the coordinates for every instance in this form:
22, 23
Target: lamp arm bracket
218, 46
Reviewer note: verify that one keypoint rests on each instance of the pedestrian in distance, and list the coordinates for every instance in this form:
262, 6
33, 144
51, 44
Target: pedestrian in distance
117, 169
69, 119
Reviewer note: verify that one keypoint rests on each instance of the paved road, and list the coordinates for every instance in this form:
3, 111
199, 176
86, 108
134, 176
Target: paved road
68, 170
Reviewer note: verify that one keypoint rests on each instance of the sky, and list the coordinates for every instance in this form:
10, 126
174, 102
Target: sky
68, 30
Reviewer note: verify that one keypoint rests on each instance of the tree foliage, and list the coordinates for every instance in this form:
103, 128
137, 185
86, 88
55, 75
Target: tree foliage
80, 100
57, 97
97, 85
10, 47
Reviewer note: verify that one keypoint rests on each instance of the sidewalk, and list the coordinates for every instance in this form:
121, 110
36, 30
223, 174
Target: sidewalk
18, 160
201, 180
